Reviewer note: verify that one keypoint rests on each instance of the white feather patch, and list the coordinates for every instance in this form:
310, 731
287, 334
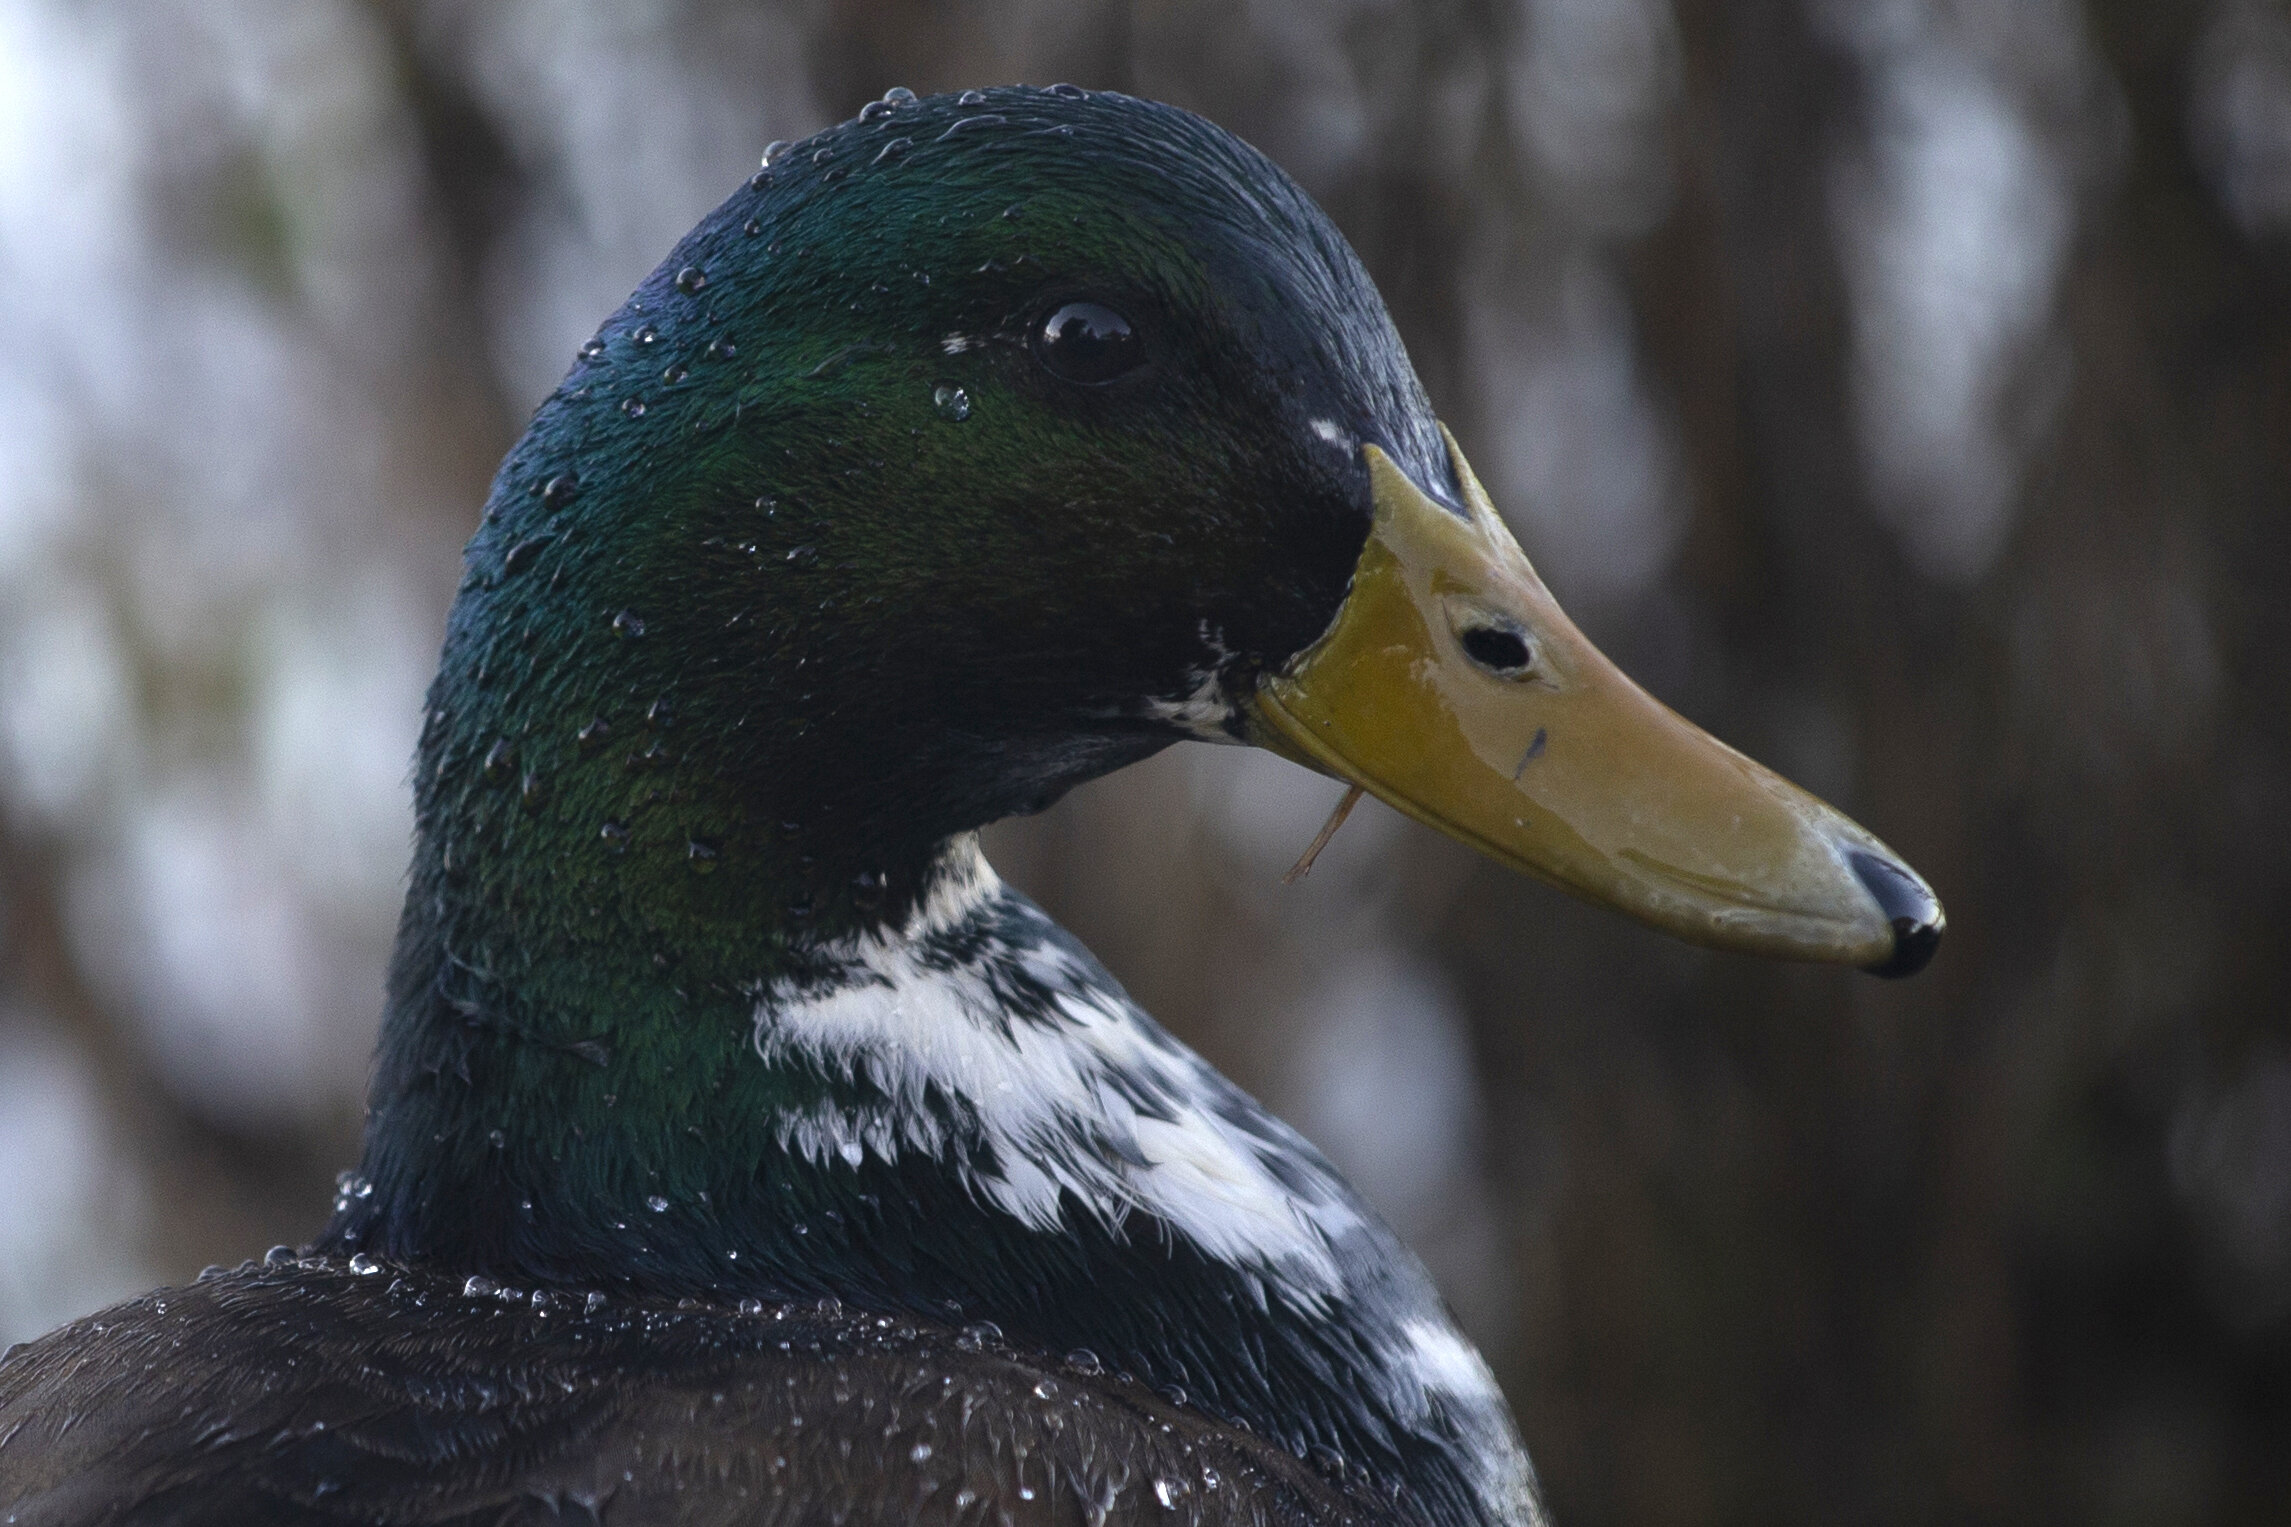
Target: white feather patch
1087, 1099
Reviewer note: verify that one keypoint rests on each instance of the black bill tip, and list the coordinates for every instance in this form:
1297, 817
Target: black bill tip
1909, 905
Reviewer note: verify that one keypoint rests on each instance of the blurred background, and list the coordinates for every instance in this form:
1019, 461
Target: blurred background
1901, 388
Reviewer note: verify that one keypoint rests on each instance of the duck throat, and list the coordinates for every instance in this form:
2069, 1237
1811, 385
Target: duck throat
958, 1116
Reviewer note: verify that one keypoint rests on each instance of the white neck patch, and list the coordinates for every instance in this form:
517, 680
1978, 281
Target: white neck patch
1064, 1080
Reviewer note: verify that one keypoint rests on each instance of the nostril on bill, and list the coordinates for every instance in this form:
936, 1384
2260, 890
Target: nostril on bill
1496, 649
1907, 905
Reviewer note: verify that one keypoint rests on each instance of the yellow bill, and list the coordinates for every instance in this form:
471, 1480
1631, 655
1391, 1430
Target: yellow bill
1452, 687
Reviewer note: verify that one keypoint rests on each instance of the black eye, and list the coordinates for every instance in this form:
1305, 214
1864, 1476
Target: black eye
1500, 651
1088, 342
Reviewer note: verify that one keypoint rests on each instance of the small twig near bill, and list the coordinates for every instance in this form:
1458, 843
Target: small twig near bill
1304, 864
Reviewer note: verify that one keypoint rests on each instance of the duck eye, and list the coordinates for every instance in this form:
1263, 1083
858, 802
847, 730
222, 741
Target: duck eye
1500, 651
1089, 343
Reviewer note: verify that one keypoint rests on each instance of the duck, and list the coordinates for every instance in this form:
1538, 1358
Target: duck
740, 1148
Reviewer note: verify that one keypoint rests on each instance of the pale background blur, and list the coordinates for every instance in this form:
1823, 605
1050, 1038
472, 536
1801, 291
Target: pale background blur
1901, 388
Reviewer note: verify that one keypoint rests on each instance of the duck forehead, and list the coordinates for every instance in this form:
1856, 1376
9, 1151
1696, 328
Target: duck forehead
1019, 189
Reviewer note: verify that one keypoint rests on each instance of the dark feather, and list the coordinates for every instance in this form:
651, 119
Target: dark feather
303, 1393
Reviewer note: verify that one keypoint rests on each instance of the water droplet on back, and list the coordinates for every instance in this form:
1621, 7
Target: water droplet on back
691, 279
774, 150
674, 373
1083, 1360
364, 1265
874, 111
499, 759
633, 407
656, 1204
558, 491
952, 402
594, 735
479, 1287
614, 835
971, 98
628, 624
703, 855
899, 95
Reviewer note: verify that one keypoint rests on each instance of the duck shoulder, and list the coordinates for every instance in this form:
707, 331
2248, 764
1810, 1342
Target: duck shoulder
302, 1392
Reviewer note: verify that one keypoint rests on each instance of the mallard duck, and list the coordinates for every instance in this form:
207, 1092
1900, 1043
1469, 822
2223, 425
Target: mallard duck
740, 1148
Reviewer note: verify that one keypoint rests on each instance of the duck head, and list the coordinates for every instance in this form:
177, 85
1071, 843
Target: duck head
986, 443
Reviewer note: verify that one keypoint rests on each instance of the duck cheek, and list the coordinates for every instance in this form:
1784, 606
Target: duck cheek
1452, 686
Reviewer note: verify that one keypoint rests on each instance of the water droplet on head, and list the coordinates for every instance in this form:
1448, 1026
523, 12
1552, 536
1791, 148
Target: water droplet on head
691, 279
594, 1302
978, 1335
971, 98
364, 1265
1211, 1479
1083, 1360
499, 759
633, 407
874, 111
894, 149
703, 856
558, 491
823, 156
657, 1204
899, 95
1069, 92
647, 335
753, 225
533, 790
952, 402
802, 555
829, 1308
594, 735
615, 837
720, 349
479, 1287
660, 715
628, 624
1167, 1491
674, 373
920, 1452
774, 150
520, 556
592, 349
